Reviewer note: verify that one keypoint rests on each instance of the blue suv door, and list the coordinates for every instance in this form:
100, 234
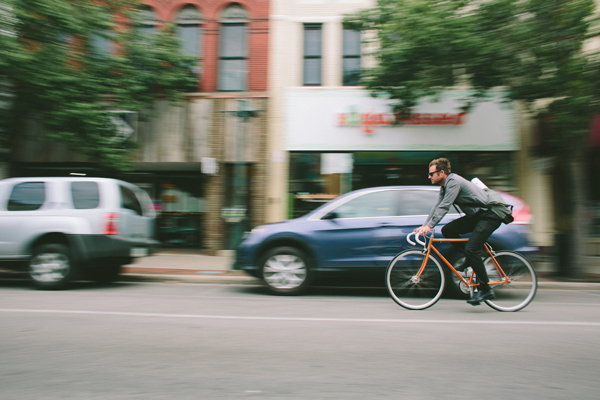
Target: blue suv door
414, 205
349, 237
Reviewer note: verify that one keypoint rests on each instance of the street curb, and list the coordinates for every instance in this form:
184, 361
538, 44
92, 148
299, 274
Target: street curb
240, 277
186, 275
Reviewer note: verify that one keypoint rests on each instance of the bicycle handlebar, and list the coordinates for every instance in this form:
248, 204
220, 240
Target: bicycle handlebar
416, 239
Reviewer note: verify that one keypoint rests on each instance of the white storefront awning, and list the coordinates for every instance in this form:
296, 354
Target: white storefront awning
325, 119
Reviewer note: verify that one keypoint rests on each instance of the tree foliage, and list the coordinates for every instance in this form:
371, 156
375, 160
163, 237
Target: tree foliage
54, 70
533, 49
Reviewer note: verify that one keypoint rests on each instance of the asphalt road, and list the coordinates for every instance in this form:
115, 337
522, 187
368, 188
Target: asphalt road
161, 340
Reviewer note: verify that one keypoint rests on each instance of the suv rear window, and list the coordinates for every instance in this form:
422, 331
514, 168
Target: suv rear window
130, 201
27, 196
85, 195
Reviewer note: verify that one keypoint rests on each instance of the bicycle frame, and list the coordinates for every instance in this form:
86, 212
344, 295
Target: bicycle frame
428, 247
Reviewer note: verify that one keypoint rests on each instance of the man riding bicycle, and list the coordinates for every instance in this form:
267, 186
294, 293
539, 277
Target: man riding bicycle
483, 216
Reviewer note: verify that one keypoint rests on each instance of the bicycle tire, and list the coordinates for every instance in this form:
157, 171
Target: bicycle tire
405, 290
521, 289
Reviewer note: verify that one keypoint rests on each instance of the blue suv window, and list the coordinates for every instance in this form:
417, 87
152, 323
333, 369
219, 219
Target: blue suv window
85, 195
418, 202
27, 196
376, 204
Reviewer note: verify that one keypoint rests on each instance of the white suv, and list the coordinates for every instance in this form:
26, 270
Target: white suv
60, 228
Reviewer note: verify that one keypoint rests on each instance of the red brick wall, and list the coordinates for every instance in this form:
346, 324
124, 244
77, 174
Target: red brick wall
258, 28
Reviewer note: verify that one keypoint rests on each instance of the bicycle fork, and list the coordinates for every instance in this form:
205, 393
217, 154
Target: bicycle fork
415, 279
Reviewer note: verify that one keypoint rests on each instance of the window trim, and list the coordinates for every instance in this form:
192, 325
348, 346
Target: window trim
351, 56
191, 22
244, 57
305, 57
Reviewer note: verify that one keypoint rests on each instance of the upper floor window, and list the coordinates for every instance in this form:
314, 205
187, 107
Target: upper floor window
233, 63
312, 55
101, 44
189, 21
351, 57
147, 21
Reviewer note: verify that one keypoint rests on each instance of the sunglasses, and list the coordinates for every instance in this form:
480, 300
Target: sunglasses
431, 173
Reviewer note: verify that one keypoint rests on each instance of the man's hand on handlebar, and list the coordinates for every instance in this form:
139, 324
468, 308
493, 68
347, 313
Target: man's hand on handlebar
423, 230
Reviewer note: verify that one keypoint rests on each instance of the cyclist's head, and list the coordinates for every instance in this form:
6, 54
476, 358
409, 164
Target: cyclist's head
442, 164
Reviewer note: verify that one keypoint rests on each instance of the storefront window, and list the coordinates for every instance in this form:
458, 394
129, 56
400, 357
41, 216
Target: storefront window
180, 207
180, 216
316, 178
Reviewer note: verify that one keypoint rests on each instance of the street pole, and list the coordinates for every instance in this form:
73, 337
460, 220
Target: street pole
236, 215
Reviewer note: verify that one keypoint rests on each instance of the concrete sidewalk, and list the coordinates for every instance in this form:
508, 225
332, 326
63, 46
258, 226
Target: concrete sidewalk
186, 266
186, 261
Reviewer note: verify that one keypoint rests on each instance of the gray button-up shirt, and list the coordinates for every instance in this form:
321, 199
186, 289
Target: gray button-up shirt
457, 190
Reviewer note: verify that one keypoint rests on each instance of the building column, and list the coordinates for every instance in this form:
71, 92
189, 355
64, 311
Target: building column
214, 235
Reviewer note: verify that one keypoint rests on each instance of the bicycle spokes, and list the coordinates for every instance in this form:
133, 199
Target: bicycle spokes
514, 284
414, 283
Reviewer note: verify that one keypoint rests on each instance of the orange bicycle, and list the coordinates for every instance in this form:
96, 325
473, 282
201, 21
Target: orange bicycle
415, 279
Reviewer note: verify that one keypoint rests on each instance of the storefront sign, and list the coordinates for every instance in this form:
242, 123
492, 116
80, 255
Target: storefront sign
325, 119
369, 121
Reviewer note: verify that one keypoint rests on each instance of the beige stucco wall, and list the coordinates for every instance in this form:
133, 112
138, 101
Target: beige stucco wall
534, 185
286, 57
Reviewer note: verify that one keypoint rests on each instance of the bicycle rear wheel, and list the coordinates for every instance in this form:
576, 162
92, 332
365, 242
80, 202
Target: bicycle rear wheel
409, 291
522, 286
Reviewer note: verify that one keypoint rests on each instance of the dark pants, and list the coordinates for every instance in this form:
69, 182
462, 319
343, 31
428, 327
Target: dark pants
482, 225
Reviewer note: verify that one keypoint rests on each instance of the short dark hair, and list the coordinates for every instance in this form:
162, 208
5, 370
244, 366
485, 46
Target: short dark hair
442, 164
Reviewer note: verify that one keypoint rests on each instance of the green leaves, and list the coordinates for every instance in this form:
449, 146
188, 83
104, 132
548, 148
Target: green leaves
533, 49
69, 62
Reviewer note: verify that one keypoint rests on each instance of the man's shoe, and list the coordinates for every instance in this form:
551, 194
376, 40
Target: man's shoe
481, 296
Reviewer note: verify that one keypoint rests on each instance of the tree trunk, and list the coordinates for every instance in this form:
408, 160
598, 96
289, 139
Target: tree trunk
570, 197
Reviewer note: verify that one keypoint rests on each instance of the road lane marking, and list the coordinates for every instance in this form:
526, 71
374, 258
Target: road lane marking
299, 319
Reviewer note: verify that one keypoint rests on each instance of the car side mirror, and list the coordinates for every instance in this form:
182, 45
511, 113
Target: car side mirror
331, 215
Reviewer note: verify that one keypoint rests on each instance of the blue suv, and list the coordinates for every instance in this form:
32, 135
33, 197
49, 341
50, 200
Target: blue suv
358, 233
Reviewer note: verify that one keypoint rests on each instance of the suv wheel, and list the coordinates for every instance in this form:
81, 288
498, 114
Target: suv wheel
285, 270
51, 266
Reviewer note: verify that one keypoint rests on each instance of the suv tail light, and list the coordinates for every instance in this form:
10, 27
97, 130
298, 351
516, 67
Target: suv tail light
111, 226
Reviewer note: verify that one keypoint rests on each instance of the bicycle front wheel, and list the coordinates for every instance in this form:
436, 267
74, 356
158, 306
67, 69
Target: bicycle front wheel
521, 287
409, 290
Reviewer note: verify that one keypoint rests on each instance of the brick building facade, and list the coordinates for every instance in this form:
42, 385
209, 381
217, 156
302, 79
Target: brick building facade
200, 158
211, 13
210, 118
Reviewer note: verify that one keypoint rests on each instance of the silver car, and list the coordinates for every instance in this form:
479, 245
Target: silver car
60, 228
